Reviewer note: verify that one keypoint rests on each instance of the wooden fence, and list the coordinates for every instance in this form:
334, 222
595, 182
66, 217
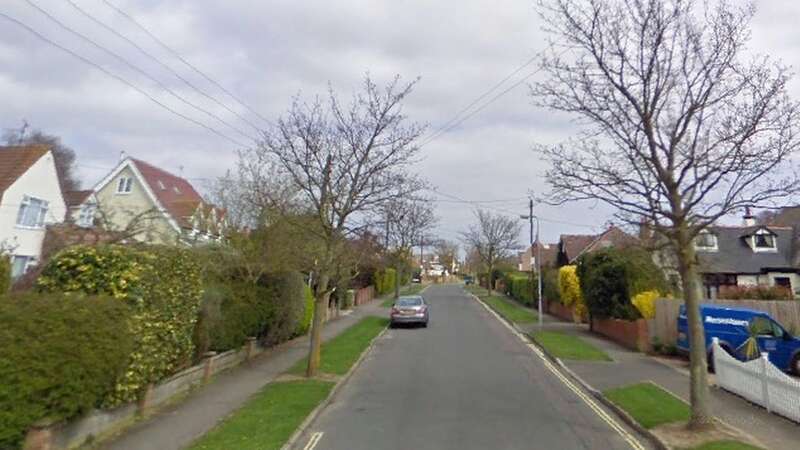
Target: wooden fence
664, 326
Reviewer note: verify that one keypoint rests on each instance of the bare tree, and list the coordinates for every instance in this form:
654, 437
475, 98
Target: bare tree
408, 220
447, 252
682, 129
346, 161
63, 156
494, 237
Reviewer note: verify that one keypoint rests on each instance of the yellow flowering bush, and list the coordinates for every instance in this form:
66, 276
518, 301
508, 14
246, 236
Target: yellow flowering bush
163, 286
569, 287
645, 302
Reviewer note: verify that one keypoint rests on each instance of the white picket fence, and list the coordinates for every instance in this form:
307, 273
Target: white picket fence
759, 381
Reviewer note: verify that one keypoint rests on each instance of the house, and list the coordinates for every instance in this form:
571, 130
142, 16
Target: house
81, 207
747, 255
572, 246
548, 252
30, 199
153, 205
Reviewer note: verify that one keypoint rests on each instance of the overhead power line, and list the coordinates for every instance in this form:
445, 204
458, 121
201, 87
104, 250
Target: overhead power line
117, 77
161, 63
184, 61
137, 69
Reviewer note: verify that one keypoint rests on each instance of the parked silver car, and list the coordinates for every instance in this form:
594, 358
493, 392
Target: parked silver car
409, 309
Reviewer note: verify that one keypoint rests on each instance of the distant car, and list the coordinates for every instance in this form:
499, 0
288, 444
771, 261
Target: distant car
468, 279
416, 279
410, 309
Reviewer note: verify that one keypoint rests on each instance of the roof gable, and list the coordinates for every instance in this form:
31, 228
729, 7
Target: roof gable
15, 161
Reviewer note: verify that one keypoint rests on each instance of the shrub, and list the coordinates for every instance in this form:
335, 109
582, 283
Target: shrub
645, 303
245, 309
5, 274
308, 312
385, 280
569, 286
161, 283
550, 286
757, 292
610, 277
518, 286
287, 298
62, 355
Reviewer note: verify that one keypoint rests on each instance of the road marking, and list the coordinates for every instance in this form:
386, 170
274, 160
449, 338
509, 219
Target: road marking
313, 441
634, 443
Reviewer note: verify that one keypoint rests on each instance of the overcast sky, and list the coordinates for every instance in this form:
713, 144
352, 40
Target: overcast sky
264, 52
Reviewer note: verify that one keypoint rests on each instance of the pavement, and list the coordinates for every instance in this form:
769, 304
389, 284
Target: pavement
465, 382
628, 367
176, 426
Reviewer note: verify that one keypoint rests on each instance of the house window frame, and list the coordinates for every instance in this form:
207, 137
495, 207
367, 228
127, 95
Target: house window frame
770, 238
28, 261
706, 248
124, 185
86, 215
41, 217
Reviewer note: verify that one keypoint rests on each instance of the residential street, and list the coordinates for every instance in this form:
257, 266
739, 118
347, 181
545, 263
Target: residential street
465, 382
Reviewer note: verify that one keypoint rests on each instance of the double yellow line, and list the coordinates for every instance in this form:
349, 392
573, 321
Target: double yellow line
629, 438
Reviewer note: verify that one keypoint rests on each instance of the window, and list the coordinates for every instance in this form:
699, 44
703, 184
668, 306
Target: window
124, 185
19, 265
161, 186
32, 212
761, 326
705, 241
177, 191
764, 241
86, 216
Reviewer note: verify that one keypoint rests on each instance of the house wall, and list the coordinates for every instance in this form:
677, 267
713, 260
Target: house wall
121, 209
747, 280
40, 181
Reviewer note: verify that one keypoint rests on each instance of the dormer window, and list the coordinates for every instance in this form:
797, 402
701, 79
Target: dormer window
763, 241
706, 241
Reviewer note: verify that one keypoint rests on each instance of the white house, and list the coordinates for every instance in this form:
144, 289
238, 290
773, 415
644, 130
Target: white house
30, 199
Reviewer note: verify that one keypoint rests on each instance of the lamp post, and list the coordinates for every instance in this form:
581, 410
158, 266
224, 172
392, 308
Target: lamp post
538, 259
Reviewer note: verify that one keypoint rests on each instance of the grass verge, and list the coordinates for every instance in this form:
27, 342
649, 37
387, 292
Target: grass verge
726, 445
567, 346
510, 310
649, 404
268, 419
341, 352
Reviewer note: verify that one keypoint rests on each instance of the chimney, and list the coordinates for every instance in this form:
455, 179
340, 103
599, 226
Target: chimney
749, 219
122, 155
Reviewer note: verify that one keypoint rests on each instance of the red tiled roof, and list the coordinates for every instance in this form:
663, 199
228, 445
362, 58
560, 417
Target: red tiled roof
175, 194
75, 198
16, 160
575, 244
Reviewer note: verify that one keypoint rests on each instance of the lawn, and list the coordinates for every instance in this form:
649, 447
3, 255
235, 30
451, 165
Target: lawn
341, 352
411, 289
726, 445
268, 419
510, 309
567, 346
650, 405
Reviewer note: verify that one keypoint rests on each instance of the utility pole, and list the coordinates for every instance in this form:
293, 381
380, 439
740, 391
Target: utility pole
537, 259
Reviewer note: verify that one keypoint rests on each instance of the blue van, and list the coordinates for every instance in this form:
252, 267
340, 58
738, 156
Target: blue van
732, 325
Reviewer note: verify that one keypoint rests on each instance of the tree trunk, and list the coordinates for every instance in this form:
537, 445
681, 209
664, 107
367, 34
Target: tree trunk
701, 416
490, 279
321, 296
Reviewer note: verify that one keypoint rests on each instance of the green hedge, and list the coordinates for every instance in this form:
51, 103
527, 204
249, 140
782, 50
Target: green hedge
518, 286
611, 277
163, 286
385, 280
61, 356
5, 274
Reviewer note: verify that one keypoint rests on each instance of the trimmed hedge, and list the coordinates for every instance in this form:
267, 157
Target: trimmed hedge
610, 277
308, 312
61, 356
163, 286
519, 287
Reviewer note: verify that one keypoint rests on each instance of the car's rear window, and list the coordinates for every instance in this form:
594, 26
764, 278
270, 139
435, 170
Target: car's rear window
409, 302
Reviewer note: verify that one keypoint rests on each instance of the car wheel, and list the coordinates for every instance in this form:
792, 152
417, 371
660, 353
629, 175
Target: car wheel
795, 367
425, 324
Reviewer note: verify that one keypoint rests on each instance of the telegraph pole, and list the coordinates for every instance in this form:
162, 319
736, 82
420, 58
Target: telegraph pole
537, 259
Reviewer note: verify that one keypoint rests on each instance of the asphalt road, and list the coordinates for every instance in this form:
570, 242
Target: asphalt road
466, 382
